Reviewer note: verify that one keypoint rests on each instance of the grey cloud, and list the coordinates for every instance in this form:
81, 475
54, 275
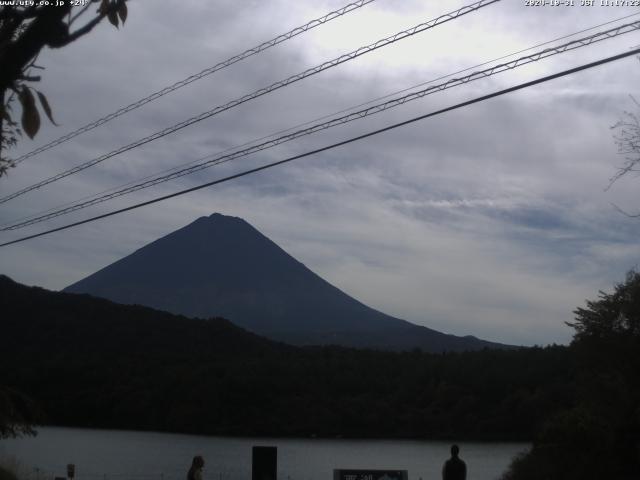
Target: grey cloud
491, 220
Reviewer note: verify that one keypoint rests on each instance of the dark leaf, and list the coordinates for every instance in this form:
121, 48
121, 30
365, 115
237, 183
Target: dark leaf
122, 12
46, 107
113, 18
104, 7
30, 115
4, 114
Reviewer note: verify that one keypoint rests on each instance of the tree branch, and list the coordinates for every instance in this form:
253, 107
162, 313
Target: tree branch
1, 127
45, 29
114, 7
30, 78
84, 30
630, 215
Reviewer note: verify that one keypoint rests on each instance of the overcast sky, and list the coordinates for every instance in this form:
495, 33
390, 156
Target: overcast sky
492, 220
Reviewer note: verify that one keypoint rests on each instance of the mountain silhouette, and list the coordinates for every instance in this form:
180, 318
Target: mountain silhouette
220, 266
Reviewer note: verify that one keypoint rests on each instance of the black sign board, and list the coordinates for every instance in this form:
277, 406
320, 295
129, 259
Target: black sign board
265, 463
370, 475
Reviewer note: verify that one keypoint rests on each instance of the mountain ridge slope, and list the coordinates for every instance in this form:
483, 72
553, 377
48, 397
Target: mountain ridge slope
222, 266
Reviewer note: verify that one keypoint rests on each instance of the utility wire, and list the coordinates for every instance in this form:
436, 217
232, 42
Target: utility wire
381, 107
207, 71
309, 122
275, 86
317, 119
335, 145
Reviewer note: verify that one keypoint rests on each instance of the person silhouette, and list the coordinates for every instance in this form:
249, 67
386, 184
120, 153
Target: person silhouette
454, 468
195, 472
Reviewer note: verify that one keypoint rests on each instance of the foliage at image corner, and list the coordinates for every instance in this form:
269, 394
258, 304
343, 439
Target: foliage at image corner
599, 437
6, 474
19, 414
24, 31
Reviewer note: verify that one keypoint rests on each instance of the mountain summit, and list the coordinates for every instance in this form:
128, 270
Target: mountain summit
220, 266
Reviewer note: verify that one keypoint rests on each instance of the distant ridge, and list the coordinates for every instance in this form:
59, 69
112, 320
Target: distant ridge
220, 266
92, 363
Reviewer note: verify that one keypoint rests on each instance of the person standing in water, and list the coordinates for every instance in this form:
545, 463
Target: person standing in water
454, 468
195, 472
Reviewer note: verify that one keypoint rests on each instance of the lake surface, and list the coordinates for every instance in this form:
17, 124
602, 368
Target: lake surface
124, 455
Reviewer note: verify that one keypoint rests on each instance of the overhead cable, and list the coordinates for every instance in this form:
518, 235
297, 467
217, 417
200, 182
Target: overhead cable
334, 145
208, 161
207, 71
275, 86
323, 117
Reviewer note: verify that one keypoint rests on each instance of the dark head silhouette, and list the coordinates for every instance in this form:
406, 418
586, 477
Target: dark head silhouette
454, 468
195, 472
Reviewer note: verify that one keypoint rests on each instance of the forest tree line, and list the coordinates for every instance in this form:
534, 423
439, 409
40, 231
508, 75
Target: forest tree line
92, 363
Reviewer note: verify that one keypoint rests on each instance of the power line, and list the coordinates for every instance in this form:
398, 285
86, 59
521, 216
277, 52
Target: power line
335, 145
207, 71
465, 70
275, 86
309, 122
216, 160
336, 121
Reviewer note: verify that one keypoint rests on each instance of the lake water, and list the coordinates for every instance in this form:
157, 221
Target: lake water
123, 455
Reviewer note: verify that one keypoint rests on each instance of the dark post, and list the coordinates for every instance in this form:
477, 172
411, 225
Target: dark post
264, 463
